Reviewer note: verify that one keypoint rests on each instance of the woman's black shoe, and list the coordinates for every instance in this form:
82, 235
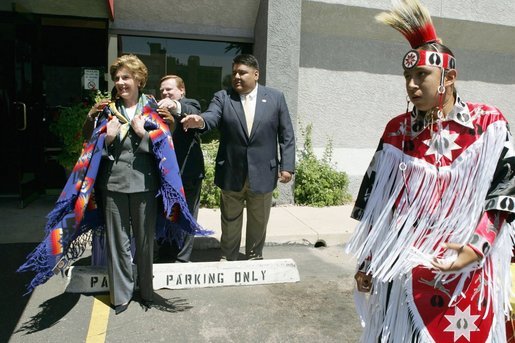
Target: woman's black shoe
120, 308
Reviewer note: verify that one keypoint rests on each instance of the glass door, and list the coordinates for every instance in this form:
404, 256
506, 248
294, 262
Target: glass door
20, 108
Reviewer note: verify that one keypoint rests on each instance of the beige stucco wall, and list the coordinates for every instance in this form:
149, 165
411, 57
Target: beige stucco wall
350, 77
226, 19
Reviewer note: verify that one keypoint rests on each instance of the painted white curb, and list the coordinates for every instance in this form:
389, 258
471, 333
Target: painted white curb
89, 279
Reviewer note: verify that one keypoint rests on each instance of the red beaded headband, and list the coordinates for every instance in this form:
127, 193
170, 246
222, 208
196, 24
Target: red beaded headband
415, 58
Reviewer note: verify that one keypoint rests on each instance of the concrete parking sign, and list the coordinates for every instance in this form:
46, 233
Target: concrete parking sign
87, 279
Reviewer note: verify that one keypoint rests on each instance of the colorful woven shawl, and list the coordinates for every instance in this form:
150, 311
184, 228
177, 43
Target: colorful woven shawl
75, 216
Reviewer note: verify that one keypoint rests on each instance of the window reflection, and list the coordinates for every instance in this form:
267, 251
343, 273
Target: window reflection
205, 66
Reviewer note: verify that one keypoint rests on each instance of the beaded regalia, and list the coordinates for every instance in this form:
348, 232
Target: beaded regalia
435, 180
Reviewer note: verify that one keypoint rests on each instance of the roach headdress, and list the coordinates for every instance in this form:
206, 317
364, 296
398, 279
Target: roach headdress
413, 20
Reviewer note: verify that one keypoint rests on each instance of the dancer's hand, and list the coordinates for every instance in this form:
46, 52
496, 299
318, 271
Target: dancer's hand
363, 282
466, 256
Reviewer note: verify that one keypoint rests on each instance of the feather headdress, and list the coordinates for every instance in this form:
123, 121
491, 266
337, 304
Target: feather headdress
413, 20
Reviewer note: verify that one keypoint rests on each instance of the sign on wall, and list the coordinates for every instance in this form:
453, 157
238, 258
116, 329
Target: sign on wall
91, 79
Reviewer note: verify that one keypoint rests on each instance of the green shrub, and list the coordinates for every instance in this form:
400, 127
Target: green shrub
317, 182
210, 193
68, 128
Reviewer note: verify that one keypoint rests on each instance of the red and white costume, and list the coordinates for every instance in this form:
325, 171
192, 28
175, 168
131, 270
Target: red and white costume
432, 182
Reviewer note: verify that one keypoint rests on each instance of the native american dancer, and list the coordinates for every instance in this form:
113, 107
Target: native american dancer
435, 207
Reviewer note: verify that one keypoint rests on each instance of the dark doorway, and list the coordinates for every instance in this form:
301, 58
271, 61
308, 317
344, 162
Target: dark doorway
71, 46
21, 107
41, 67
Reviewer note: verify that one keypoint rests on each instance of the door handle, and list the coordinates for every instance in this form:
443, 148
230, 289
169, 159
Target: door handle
24, 127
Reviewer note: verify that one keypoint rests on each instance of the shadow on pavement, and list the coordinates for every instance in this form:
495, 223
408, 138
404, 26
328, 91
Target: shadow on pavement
12, 298
51, 311
170, 305
206, 255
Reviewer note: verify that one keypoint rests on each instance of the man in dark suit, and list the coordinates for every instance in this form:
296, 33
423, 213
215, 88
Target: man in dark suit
173, 107
253, 120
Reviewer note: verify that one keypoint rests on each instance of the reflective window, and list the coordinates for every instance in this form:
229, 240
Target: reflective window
205, 66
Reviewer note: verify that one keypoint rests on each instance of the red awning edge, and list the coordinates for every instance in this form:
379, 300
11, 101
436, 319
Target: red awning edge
110, 8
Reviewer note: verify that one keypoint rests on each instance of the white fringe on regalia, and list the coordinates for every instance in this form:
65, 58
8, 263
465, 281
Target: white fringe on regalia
405, 221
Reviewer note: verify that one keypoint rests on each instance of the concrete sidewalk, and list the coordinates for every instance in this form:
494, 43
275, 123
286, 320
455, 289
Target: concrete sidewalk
325, 226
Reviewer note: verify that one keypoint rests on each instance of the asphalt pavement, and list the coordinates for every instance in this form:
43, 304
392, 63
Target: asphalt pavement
317, 308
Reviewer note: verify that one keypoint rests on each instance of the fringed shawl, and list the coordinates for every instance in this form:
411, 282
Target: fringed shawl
404, 217
75, 216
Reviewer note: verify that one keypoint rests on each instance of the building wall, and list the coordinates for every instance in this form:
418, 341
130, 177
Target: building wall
278, 52
227, 19
82, 8
499, 12
349, 80
350, 76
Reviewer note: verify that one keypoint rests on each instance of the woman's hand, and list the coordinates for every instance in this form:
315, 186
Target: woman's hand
466, 256
112, 128
138, 123
363, 282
